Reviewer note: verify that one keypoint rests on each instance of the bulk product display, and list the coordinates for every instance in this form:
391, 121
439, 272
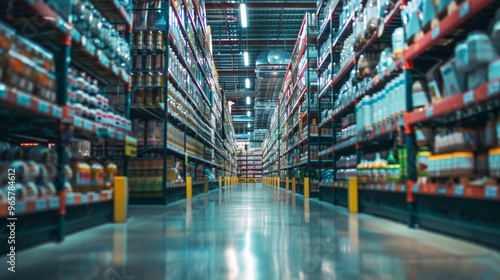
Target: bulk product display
297, 113
250, 163
411, 108
54, 91
177, 105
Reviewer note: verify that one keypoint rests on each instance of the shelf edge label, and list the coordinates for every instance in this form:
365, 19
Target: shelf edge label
459, 190
435, 32
468, 97
40, 205
493, 88
23, 100
43, 107
491, 192
464, 10
3, 91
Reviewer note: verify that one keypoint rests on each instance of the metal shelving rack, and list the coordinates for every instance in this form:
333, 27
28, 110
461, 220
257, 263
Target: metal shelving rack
439, 207
300, 88
51, 218
250, 163
190, 47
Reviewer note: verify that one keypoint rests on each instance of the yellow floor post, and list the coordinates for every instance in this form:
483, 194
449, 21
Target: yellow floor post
287, 182
220, 182
353, 195
189, 187
120, 199
205, 185
294, 185
306, 187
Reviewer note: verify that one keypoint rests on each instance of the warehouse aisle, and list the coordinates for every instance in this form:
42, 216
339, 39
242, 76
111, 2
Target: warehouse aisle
254, 232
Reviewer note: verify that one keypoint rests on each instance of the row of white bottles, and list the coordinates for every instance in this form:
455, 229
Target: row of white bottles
386, 103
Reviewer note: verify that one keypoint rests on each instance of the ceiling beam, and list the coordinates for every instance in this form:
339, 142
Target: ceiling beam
251, 42
261, 5
235, 72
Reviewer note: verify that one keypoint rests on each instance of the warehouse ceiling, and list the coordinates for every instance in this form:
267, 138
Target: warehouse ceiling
273, 26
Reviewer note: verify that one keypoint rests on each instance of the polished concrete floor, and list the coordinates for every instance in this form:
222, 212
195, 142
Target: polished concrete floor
254, 232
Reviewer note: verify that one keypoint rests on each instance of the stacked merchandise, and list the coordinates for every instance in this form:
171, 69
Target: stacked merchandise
176, 104
424, 130
54, 92
250, 163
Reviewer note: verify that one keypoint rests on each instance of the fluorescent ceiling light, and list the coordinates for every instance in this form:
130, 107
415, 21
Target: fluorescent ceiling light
245, 58
243, 14
249, 125
248, 100
247, 83
249, 114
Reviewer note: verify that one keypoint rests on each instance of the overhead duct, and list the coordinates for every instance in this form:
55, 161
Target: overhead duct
270, 69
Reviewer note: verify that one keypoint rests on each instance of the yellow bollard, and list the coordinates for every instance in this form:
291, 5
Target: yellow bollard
120, 199
189, 187
220, 182
306, 187
353, 195
294, 185
205, 185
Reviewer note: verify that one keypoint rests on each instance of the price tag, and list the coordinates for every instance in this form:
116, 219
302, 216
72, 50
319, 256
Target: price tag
435, 33
77, 122
88, 125
85, 198
3, 91
464, 10
43, 107
491, 192
387, 187
20, 207
468, 97
40, 205
415, 188
403, 188
57, 112
393, 187
459, 190
429, 112
494, 88
23, 100
54, 203
70, 199
378, 187
441, 190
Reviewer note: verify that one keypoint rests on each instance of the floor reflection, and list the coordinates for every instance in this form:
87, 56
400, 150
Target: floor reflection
255, 232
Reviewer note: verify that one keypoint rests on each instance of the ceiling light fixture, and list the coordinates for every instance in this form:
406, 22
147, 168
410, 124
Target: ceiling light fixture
245, 58
247, 83
249, 114
243, 14
249, 125
248, 100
